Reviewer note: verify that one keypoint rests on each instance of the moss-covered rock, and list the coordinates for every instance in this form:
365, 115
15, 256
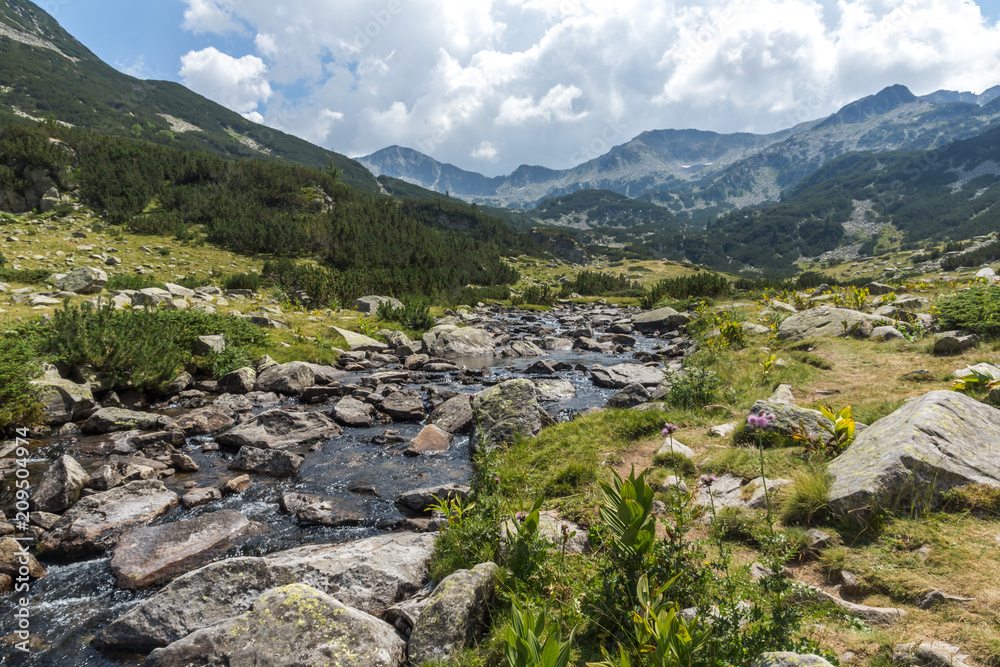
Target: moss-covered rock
503, 412
939, 441
293, 625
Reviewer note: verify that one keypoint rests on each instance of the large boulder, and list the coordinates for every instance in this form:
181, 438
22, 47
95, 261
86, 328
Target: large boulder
661, 319
787, 659
370, 304
154, 555
455, 615
64, 401
622, 375
270, 462
629, 397
95, 522
84, 280
291, 625
279, 428
825, 321
110, 420
368, 574
420, 500
205, 420
454, 415
60, 486
933, 443
503, 412
290, 378
464, 342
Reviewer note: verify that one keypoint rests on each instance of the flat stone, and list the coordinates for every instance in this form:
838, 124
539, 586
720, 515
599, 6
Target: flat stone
151, 556
356, 341
279, 428
454, 415
622, 375
96, 521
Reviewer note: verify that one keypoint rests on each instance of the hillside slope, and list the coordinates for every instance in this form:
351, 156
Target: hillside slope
46, 72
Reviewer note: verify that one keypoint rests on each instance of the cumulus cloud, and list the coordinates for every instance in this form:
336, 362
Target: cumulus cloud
552, 81
486, 151
238, 83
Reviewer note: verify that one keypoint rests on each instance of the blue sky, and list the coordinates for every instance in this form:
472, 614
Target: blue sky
492, 84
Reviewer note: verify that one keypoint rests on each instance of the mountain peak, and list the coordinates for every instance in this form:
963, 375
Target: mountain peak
882, 102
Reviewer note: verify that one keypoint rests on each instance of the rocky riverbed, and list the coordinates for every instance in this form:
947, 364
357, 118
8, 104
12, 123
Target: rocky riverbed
295, 475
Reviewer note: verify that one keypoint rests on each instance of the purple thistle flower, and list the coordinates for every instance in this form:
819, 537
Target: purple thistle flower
670, 428
519, 516
761, 420
706, 480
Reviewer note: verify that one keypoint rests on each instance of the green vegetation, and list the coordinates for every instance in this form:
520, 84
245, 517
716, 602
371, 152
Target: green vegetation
976, 309
19, 364
604, 208
140, 348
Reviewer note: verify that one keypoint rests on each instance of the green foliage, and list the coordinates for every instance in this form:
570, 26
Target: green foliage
532, 641
626, 511
985, 255
693, 388
475, 536
19, 404
976, 309
470, 296
539, 296
415, 314
698, 285
525, 548
598, 283
141, 348
663, 637
231, 358
604, 208
30, 276
130, 281
980, 499
250, 281
806, 500
126, 346
841, 430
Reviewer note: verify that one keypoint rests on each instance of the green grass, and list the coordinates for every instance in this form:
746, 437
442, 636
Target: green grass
806, 500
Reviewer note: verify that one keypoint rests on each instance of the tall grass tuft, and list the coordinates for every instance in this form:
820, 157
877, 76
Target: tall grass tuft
806, 501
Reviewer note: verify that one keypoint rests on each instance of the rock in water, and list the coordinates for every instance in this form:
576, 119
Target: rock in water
151, 556
290, 378
110, 420
504, 411
60, 486
454, 415
465, 342
64, 401
270, 462
455, 614
939, 441
280, 428
291, 625
95, 522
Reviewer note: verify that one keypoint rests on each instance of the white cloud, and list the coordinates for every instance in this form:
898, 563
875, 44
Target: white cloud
238, 83
557, 104
254, 116
486, 151
550, 80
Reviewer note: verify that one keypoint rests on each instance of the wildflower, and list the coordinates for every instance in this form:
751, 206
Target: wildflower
519, 516
669, 429
707, 480
761, 420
